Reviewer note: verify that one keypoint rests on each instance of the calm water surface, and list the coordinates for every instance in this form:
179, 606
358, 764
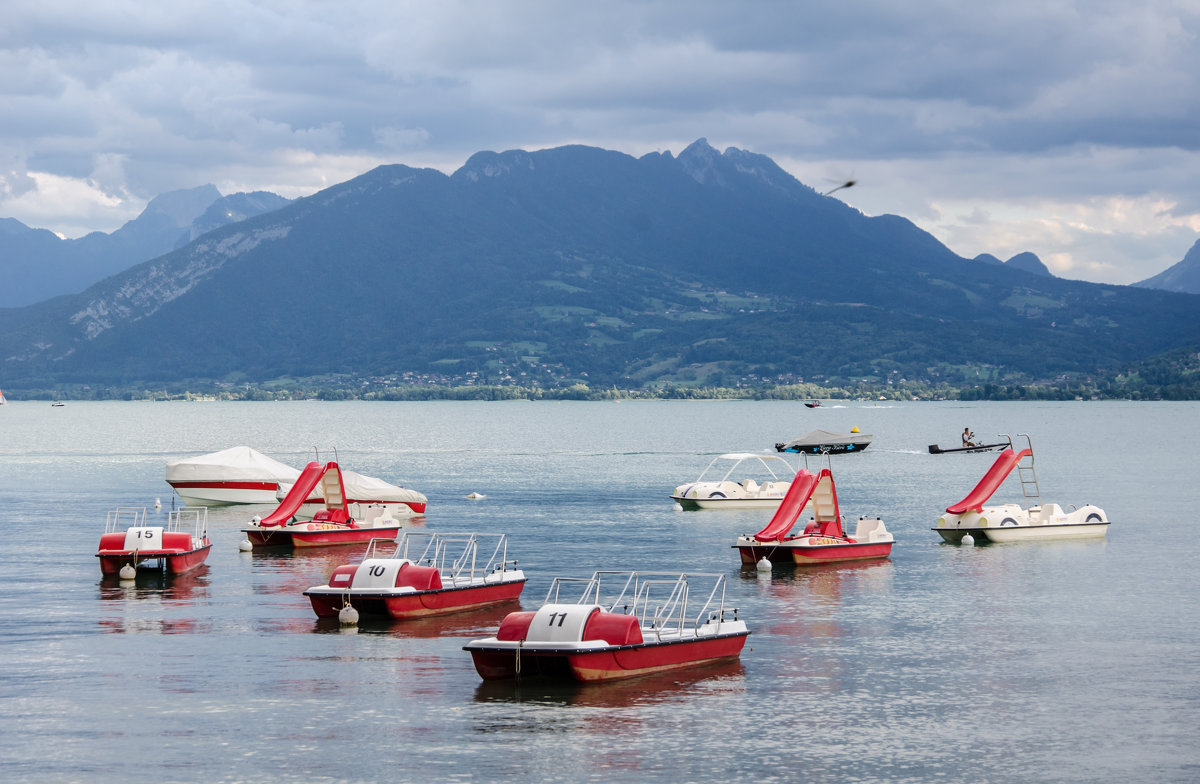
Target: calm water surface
1072, 662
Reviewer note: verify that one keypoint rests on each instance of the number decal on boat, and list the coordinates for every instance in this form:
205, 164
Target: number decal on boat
561, 617
377, 570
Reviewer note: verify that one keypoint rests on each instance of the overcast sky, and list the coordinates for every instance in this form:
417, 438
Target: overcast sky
1069, 129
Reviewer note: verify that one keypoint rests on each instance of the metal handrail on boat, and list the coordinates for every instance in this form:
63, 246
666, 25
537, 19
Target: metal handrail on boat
668, 616
196, 517
454, 555
125, 517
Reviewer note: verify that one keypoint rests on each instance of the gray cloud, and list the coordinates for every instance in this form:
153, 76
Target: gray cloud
1022, 115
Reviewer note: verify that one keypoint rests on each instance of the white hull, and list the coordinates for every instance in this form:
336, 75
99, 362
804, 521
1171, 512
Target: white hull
728, 503
1020, 533
226, 496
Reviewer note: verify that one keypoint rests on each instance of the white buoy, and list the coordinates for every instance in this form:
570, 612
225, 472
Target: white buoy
158, 503
127, 572
245, 546
476, 496
968, 539
348, 616
764, 564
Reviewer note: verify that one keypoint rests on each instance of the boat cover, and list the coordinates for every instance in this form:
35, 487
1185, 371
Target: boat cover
362, 489
822, 437
236, 464
367, 488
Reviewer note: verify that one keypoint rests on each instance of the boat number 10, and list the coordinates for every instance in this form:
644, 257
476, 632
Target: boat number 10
561, 617
377, 570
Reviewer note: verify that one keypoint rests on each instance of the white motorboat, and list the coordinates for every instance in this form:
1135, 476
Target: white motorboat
238, 475
1013, 522
749, 481
366, 498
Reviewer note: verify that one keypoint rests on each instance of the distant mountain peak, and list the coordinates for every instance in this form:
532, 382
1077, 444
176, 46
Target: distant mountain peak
183, 206
495, 164
1028, 262
1183, 276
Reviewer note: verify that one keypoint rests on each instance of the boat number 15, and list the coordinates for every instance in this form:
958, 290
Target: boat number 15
561, 617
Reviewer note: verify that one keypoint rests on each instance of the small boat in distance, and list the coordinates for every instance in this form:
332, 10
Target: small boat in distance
422, 574
823, 540
238, 475
1012, 522
329, 526
177, 547
813, 404
821, 442
934, 449
743, 486
649, 624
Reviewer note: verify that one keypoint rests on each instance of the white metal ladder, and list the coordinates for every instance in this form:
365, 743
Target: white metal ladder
1028, 476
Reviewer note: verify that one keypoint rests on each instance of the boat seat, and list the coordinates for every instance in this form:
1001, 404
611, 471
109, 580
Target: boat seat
750, 485
422, 578
339, 516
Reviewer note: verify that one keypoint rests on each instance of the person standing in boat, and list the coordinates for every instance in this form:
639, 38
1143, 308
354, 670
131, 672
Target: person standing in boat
968, 438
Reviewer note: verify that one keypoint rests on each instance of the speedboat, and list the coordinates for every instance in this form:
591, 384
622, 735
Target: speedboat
824, 539
330, 525
177, 547
1013, 522
366, 498
648, 622
422, 574
737, 489
819, 442
238, 475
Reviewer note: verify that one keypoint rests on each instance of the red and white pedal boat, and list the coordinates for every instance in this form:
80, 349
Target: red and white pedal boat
824, 539
177, 547
650, 626
331, 525
422, 574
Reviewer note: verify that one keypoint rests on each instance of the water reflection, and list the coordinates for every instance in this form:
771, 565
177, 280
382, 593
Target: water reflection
633, 692
469, 624
158, 585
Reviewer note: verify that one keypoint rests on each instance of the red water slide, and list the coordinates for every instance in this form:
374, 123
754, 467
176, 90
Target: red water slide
309, 478
789, 509
995, 476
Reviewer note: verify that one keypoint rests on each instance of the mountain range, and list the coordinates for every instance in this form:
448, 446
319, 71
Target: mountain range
581, 265
38, 264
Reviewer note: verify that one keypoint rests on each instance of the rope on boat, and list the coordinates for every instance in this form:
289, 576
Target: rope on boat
519, 644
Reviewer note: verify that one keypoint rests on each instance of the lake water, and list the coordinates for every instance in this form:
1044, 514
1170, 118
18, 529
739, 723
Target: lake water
1066, 662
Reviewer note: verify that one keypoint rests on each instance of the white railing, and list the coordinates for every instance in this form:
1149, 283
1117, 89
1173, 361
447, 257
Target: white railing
659, 600
456, 556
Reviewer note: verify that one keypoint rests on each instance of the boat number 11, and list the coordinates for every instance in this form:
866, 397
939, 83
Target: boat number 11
561, 617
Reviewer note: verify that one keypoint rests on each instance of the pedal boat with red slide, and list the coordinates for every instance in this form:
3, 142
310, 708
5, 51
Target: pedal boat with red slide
650, 623
1013, 522
332, 525
824, 539
175, 548
422, 574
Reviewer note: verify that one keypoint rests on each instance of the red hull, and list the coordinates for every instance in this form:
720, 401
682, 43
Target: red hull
626, 661
420, 604
782, 552
176, 562
283, 537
